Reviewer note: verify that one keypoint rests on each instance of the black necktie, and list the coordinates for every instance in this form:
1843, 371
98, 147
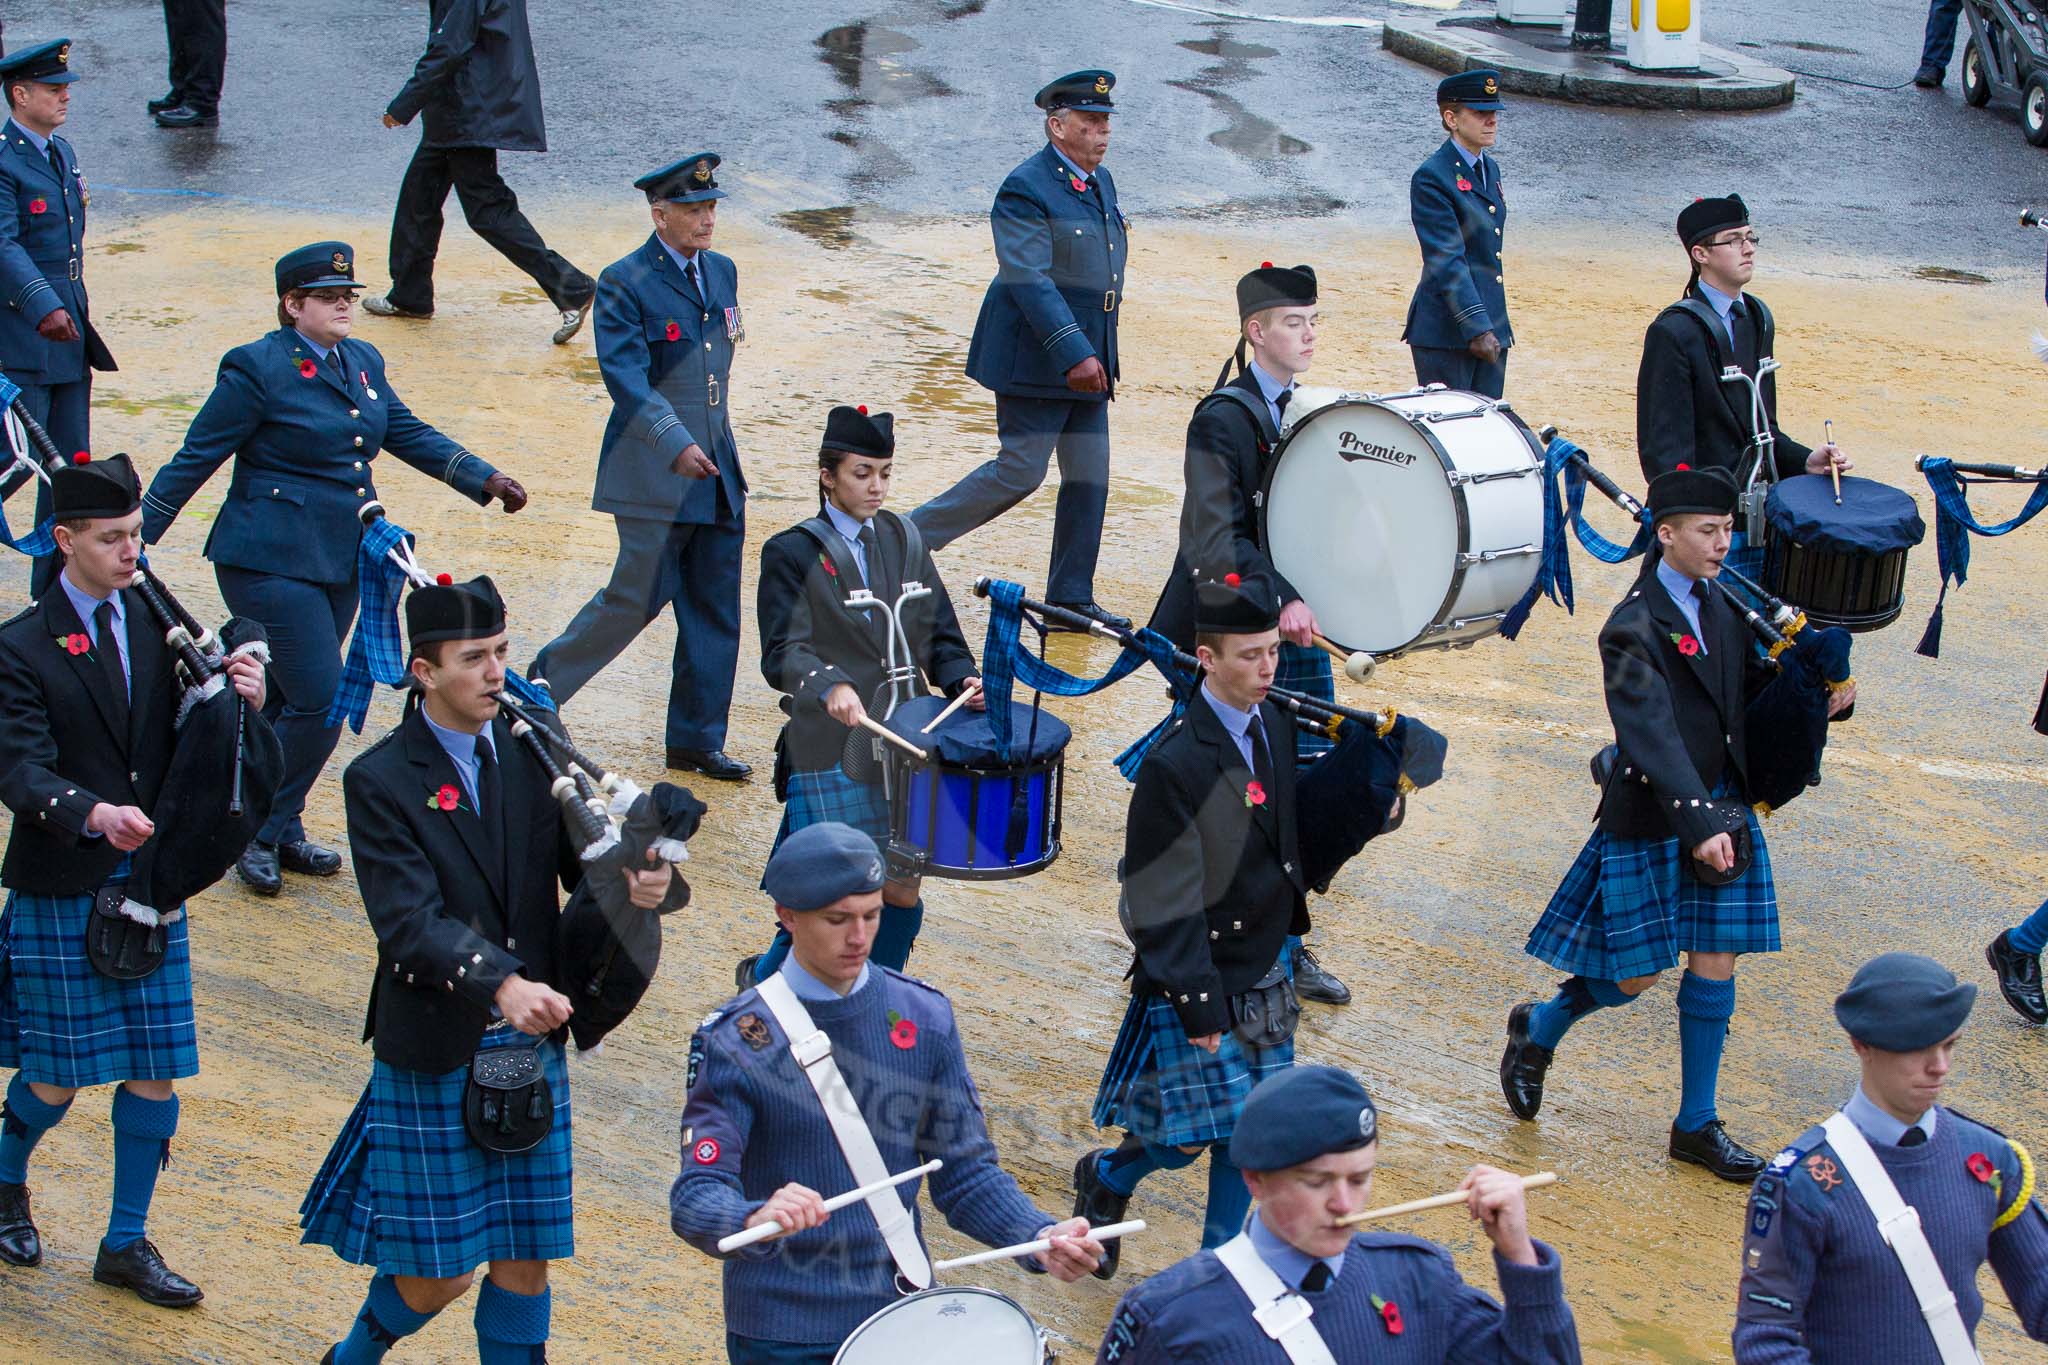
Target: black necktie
487, 793
870, 555
1280, 402
110, 662
1913, 1137
690, 274
1262, 757
335, 357
1479, 171
1318, 1278
1745, 337
56, 163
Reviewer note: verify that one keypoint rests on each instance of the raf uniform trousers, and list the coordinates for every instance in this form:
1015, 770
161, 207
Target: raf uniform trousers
493, 213
1460, 370
63, 410
696, 570
1031, 430
306, 623
198, 35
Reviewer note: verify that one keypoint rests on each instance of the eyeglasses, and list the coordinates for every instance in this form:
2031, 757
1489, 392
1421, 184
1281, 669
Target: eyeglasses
332, 296
1741, 239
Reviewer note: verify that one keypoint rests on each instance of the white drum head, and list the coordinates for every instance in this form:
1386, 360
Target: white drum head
972, 1326
1307, 399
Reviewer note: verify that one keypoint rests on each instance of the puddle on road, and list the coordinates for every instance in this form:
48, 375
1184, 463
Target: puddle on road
1943, 274
1244, 132
831, 228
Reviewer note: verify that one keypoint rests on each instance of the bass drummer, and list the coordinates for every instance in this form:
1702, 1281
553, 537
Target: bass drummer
1230, 444
828, 659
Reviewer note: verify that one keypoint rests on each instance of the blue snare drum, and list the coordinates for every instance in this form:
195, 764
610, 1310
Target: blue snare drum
975, 815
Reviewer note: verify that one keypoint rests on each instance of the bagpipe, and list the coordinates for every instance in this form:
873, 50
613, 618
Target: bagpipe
1344, 799
31, 455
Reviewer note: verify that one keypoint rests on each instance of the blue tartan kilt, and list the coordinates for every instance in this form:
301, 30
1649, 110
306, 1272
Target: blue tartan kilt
1746, 558
1163, 1088
1628, 908
406, 1191
829, 794
62, 1023
1307, 671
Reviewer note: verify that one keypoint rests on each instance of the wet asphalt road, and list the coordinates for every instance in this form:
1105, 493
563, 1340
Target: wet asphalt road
918, 107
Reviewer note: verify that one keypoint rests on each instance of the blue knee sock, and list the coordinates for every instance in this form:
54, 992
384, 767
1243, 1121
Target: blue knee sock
23, 1121
142, 1147
771, 961
510, 1328
1576, 998
380, 1323
1135, 1159
897, 933
1704, 1008
2031, 936
1293, 951
1230, 1199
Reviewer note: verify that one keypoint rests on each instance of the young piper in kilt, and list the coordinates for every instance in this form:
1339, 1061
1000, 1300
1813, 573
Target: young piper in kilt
828, 660
1212, 888
87, 706
458, 849
758, 1145
1677, 863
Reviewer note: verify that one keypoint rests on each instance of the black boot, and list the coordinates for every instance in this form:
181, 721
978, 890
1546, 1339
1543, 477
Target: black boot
140, 1267
1099, 1204
258, 868
1313, 981
20, 1243
308, 859
1711, 1147
1523, 1065
2019, 978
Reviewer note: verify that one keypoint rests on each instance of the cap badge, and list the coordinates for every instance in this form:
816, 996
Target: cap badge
1492, 86
64, 55
1102, 85
875, 870
701, 173
340, 263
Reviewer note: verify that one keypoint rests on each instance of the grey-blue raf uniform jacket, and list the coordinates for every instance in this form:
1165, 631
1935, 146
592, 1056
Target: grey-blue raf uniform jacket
1463, 290
42, 253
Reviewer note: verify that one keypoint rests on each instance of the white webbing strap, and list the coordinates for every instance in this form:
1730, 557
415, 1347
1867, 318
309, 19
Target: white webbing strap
1281, 1313
1899, 1224
813, 1053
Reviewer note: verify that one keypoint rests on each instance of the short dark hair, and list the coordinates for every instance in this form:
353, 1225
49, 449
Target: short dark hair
431, 651
76, 526
284, 318
1212, 640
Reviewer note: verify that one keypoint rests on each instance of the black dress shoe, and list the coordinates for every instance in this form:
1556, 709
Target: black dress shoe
2019, 978
185, 116
140, 1267
743, 975
1928, 77
170, 101
1312, 981
1523, 1065
308, 859
710, 762
1100, 1205
1094, 613
20, 1244
258, 868
1712, 1148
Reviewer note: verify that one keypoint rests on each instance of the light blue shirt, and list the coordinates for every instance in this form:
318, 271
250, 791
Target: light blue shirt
1285, 1259
86, 606
1270, 389
1680, 587
1072, 169
36, 140
808, 987
1723, 305
460, 746
849, 531
1238, 723
1475, 160
324, 352
689, 264
1880, 1127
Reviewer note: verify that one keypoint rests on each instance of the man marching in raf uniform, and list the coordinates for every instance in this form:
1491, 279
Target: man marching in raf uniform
1458, 324
668, 323
1299, 1286
1046, 341
831, 1075
1865, 1236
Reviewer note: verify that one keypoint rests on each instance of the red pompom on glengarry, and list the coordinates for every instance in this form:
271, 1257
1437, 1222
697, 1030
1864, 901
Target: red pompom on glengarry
444, 579
1231, 580
81, 457
1684, 467
1265, 265
862, 409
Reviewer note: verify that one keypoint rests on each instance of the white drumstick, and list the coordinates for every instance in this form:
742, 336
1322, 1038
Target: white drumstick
1043, 1244
967, 694
870, 723
761, 1232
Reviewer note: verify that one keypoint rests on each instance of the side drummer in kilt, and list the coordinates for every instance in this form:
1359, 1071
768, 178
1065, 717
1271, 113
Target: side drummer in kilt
1678, 862
1212, 888
87, 701
459, 847
829, 659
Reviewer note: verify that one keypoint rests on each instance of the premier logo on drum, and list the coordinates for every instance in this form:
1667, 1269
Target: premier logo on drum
1351, 448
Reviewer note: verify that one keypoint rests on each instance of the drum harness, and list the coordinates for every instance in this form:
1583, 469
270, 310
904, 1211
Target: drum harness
1761, 455
1280, 1312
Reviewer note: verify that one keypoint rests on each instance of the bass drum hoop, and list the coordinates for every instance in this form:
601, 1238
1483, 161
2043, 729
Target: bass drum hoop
1044, 1342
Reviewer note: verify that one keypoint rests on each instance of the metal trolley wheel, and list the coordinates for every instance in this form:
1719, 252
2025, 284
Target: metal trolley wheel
1976, 83
2034, 109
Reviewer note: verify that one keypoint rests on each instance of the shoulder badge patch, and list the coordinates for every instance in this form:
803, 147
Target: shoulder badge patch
753, 1032
705, 1152
1784, 1161
696, 1062
1824, 1171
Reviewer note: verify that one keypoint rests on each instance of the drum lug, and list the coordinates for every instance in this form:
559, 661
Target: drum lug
1488, 556
1461, 622
1459, 478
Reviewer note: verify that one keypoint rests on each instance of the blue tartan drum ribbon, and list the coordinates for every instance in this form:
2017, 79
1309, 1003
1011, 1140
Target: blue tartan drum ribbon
42, 540
1954, 524
1562, 510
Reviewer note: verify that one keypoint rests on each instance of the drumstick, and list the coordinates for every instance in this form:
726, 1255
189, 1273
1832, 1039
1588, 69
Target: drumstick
1358, 665
1110, 1233
1437, 1201
761, 1232
870, 723
1834, 470
967, 694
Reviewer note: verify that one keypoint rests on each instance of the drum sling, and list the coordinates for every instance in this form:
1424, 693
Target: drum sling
1281, 1313
813, 1053
1899, 1224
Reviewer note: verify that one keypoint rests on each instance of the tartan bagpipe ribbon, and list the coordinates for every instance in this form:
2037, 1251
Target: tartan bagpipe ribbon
1554, 569
1005, 662
42, 540
1954, 524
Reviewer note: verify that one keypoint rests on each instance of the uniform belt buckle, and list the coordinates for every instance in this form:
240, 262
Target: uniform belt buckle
1109, 300
712, 381
73, 269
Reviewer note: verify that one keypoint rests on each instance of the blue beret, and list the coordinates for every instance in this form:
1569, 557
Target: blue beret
821, 864
49, 63
1300, 1114
323, 265
1902, 1002
688, 181
1478, 90
1087, 91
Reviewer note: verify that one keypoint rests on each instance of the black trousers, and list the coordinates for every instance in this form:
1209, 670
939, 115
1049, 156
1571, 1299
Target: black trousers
493, 213
198, 34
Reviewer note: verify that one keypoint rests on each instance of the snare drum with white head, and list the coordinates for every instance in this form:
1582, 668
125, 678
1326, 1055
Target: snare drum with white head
1406, 521
975, 1326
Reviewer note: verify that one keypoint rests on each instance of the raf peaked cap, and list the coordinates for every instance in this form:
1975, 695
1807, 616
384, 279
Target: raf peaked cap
854, 430
1086, 91
1476, 90
1702, 218
94, 488
1302, 1113
48, 62
822, 864
1902, 1002
688, 181
323, 265
1708, 492
454, 611
1276, 286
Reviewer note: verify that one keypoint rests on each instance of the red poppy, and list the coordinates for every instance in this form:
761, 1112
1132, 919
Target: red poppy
830, 572
1078, 183
1981, 1167
75, 645
674, 333
1254, 794
1463, 183
38, 206
1390, 1314
904, 1034
1688, 646
307, 369
446, 798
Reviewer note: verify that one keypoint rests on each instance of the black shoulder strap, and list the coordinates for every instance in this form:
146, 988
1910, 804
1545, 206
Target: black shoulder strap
1710, 322
913, 541
1262, 415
